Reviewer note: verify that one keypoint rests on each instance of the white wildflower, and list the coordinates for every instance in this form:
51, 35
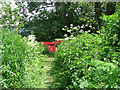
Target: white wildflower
66, 14
90, 26
25, 3
13, 5
81, 26
30, 19
68, 30
104, 58
66, 38
12, 24
81, 30
63, 29
17, 23
3, 13
78, 26
33, 11
65, 35
71, 36
13, 17
31, 37
0, 15
7, 21
36, 42
1, 26
0, 5
75, 28
88, 30
71, 24
21, 14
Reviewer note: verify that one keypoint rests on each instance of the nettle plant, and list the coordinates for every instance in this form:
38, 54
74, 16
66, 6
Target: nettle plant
73, 31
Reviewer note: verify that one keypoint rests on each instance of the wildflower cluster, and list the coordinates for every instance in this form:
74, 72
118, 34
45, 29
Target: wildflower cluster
32, 38
75, 30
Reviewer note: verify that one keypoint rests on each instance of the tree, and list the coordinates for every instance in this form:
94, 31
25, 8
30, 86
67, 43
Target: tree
47, 24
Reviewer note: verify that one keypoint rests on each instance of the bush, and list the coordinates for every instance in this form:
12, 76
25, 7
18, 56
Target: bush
84, 62
21, 64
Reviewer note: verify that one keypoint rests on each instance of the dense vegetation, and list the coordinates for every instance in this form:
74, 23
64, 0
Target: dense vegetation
20, 58
89, 57
86, 62
91, 60
21, 64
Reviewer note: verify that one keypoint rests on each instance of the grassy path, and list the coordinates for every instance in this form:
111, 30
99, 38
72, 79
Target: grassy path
46, 78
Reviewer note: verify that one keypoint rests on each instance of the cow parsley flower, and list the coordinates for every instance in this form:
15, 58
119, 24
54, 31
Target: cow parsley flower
68, 30
65, 35
71, 24
63, 29
75, 28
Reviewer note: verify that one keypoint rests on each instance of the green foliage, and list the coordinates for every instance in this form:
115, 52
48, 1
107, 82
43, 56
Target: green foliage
88, 17
33, 68
111, 30
91, 60
45, 28
13, 52
86, 63
21, 63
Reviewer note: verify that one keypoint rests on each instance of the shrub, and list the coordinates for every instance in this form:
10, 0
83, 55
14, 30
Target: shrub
84, 62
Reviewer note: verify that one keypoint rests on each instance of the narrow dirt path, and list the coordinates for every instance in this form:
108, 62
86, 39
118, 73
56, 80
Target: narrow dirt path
46, 78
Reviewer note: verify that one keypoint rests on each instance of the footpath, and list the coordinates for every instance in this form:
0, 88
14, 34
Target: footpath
46, 78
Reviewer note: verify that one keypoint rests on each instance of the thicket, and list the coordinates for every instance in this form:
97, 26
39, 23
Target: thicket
90, 60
